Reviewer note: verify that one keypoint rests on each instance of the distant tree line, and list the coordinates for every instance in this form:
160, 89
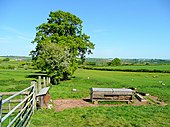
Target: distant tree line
125, 70
124, 62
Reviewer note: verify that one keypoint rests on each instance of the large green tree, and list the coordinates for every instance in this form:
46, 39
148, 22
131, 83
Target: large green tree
60, 38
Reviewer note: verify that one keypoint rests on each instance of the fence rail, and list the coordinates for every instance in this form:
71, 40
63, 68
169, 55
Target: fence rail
17, 109
16, 118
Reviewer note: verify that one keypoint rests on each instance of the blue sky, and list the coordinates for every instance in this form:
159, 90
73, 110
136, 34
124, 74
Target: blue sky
118, 28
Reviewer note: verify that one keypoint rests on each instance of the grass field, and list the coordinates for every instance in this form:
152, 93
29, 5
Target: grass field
144, 82
14, 80
157, 84
150, 116
148, 67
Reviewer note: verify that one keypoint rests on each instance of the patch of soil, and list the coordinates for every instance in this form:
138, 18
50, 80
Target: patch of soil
61, 104
136, 102
156, 101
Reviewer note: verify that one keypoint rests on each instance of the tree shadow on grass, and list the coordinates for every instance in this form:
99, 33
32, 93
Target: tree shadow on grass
36, 74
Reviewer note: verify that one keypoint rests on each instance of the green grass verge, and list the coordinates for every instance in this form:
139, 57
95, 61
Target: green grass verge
125, 116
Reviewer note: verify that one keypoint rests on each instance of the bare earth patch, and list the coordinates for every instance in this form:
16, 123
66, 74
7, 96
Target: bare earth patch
62, 104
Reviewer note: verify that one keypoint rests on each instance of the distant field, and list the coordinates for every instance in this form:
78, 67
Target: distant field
85, 79
144, 68
149, 67
14, 80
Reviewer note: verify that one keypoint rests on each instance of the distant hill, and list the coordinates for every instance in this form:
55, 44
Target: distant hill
103, 61
17, 58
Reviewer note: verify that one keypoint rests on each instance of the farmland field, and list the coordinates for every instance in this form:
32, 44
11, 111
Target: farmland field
14, 80
149, 115
85, 79
148, 67
152, 115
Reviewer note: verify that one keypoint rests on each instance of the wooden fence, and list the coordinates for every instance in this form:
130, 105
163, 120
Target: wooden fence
17, 109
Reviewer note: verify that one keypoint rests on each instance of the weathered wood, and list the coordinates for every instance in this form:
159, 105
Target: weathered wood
144, 94
35, 86
43, 91
140, 98
47, 81
44, 82
44, 98
39, 83
111, 94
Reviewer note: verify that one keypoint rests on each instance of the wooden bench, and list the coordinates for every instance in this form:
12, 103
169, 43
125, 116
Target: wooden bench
110, 94
43, 98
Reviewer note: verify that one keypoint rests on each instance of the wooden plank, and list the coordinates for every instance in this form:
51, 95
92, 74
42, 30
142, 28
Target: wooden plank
43, 91
140, 98
111, 94
110, 90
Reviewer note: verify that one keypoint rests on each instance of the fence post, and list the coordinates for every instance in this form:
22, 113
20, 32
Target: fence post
39, 83
49, 80
44, 82
0, 110
34, 94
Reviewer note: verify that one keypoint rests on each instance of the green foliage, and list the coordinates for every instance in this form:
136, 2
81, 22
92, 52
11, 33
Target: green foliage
63, 30
127, 62
6, 59
54, 59
90, 63
115, 62
155, 69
